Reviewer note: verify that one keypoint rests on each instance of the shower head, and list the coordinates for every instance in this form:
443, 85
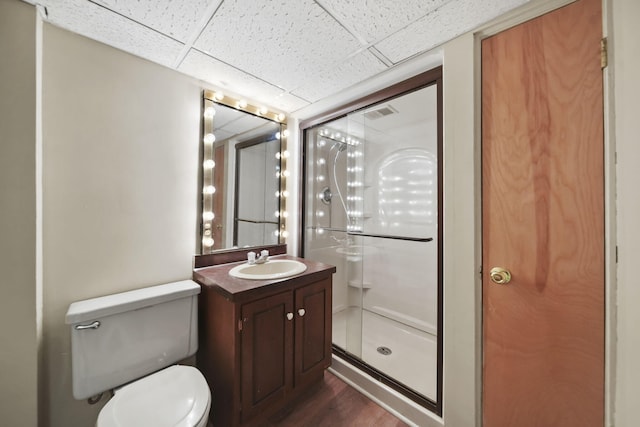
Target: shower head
340, 145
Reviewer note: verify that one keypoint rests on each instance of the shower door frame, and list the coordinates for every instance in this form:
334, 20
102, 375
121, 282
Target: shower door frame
420, 81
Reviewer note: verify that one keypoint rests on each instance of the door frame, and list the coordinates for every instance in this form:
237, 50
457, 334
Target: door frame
463, 210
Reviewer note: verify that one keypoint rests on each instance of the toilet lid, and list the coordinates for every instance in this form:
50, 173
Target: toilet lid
177, 396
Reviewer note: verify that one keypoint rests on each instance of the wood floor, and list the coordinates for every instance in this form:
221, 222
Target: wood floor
335, 404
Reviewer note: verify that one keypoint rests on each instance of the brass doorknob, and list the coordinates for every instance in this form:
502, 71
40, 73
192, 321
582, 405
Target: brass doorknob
500, 275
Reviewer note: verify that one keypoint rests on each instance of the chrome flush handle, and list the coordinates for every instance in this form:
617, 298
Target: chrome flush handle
94, 325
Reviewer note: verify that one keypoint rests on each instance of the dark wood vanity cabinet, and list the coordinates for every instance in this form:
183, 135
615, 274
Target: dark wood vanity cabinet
262, 343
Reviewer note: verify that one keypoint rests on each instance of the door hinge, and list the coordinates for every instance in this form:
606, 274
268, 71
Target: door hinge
604, 57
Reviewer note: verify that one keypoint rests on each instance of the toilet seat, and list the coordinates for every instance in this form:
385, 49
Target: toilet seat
177, 396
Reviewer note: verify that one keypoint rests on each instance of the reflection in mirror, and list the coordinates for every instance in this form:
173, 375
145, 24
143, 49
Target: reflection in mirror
242, 160
257, 182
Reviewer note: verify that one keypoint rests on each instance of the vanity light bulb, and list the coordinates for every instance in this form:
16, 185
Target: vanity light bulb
285, 154
285, 234
281, 117
242, 103
209, 112
285, 214
277, 135
321, 143
285, 194
285, 173
208, 216
209, 189
207, 241
263, 111
321, 161
209, 164
209, 138
285, 133
278, 156
218, 96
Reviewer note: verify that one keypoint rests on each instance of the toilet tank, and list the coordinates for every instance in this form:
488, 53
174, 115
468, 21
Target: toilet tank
118, 338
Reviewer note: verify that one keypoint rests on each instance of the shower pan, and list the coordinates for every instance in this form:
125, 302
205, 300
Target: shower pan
371, 208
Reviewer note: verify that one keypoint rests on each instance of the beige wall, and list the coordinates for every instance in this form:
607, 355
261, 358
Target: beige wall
18, 328
625, 36
120, 150
462, 298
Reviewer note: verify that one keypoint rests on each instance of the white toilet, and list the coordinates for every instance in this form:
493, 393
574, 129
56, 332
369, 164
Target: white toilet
132, 338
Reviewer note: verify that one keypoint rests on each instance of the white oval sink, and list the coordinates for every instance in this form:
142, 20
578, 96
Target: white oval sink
272, 269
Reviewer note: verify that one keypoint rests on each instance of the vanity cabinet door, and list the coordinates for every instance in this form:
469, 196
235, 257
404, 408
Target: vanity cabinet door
312, 331
266, 353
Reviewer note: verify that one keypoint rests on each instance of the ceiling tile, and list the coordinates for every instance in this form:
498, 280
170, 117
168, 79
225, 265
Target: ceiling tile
95, 22
330, 78
449, 21
280, 44
175, 18
374, 20
222, 76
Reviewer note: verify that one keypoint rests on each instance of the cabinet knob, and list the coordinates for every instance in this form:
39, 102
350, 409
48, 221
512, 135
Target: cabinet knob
289, 316
301, 312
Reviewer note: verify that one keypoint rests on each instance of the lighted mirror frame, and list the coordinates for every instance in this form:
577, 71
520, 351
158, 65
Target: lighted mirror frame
207, 187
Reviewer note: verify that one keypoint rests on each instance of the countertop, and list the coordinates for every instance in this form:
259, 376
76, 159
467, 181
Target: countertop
217, 277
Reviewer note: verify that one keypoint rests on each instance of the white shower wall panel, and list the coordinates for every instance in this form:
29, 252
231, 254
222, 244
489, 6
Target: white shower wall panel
323, 247
400, 281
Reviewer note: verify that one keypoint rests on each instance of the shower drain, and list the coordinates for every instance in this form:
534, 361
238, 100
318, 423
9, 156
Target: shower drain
384, 350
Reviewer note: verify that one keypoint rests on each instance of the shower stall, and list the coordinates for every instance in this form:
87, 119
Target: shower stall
371, 208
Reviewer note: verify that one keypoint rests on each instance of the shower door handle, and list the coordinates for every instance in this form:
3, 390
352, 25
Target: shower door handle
301, 312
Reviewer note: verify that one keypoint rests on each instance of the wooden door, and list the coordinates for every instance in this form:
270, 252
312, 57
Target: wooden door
313, 332
266, 353
543, 220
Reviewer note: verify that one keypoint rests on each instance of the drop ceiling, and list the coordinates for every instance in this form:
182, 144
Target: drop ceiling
286, 54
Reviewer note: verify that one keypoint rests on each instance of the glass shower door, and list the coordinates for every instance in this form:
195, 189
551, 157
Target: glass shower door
371, 209
330, 203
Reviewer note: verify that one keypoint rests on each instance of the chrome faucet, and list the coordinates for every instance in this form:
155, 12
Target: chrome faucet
264, 257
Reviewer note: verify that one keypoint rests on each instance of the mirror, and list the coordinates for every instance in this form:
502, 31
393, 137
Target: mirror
242, 162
